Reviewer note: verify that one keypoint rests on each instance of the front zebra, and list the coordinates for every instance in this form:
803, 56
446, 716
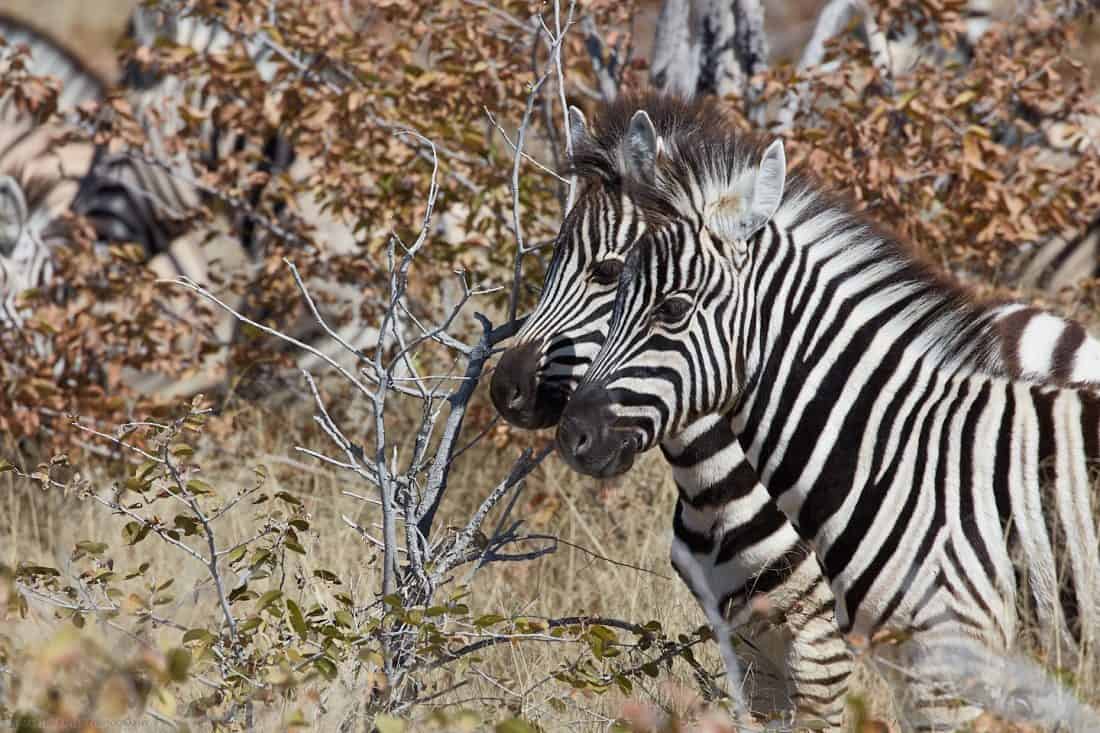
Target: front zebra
734, 549
858, 385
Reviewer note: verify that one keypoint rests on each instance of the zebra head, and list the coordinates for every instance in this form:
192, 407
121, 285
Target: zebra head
675, 352
560, 338
615, 164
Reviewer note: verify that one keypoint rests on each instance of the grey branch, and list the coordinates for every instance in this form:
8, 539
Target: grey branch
676, 62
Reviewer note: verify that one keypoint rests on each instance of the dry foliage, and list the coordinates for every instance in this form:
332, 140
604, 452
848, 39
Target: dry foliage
242, 578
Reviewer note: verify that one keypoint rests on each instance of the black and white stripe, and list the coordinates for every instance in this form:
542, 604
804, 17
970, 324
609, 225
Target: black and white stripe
863, 392
38, 173
732, 546
151, 197
1063, 261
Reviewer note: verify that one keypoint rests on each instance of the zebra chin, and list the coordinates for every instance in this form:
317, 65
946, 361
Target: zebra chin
588, 439
519, 393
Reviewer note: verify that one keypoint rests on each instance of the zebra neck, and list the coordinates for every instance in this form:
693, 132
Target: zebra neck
709, 467
845, 322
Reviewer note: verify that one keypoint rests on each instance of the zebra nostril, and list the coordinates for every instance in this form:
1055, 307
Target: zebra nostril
517, 399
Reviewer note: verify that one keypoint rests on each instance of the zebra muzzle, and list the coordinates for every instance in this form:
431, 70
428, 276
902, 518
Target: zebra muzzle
520, 394
588, 439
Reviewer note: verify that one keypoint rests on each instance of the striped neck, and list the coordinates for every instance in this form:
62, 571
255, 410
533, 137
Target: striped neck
840, 315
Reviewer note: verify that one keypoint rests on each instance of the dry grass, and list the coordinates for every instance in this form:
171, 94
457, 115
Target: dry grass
628, 521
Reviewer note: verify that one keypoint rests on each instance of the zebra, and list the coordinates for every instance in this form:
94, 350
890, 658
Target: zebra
39, 172
151, 199
730, 543
1063, 261
872, 399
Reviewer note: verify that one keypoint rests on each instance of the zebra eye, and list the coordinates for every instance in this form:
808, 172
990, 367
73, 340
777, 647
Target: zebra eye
606, 272
672, 310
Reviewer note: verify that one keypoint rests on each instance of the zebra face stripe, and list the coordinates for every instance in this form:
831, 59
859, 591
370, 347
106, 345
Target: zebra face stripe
556, 345
667, 360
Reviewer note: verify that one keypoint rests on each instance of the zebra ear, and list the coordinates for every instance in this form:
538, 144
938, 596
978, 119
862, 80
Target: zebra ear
740, 214
643, 147
767, 190
578, 128
13, 214
580, 136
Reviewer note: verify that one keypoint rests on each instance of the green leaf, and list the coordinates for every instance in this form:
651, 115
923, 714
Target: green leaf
145, 470
326, 666
296, 619
488, 619
288, 498
197, 635
134, 532
189, 525
241, 593
90, 548
179, 661
295, 547
182, 450
237, 554
6, 466
624, 684
326, 576
268, 598
198, 487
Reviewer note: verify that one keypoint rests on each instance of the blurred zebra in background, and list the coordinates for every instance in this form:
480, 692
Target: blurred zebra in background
39, 171
151, 198
1062, 261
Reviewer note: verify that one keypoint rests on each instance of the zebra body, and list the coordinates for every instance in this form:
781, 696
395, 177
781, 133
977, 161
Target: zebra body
1063, 261
741, 558
849, 374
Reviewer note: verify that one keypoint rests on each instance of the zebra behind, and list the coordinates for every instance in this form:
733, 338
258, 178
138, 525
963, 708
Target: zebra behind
39, 174
152, 199
859, 386
731, 545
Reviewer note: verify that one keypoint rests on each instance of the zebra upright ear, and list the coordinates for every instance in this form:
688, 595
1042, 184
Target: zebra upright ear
13, 214
580, 137
643, 147
578, 128
767, 191
738, 215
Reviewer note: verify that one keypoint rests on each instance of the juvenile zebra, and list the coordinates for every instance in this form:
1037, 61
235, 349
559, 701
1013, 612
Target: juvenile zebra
861, 388
731, 545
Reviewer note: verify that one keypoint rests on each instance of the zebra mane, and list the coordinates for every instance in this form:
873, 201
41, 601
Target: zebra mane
705, 153
599, 159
